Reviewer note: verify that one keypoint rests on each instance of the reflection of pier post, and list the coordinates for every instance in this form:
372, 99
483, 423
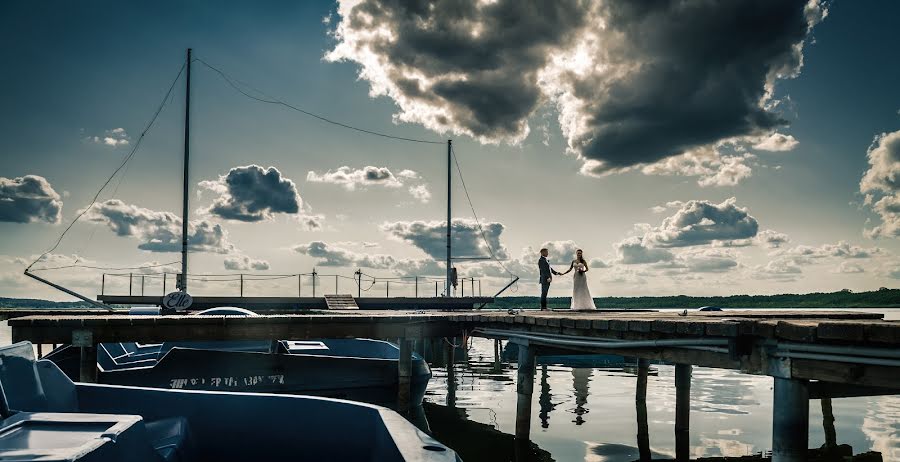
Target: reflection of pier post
790, 420
497, 355
682, 412
640, 404
404, 368
524, 390
545, 400
828, 424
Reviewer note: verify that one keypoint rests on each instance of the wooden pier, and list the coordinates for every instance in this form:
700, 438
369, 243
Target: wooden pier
810, 354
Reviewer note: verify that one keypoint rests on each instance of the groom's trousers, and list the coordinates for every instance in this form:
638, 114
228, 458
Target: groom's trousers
545, 287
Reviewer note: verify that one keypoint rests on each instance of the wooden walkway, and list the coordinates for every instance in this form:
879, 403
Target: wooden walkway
809, 353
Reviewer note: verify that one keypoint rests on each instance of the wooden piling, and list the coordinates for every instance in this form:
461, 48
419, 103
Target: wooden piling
790, 420
404, 369
524, 390
682, 412
451, 374
828, 424
640, 403
88, 364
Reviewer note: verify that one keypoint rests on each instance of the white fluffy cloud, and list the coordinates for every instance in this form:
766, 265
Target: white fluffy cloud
158, 231
633, 83
113, 138
772, 239
253, 193
330, 255
776, 142
632, 251
881, 184
245, 263
351, 179
700, 222
28, 199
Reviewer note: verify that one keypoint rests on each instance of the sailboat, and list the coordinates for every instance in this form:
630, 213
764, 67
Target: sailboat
358, 369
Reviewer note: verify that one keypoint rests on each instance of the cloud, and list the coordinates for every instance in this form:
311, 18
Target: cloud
782, 269
776, 142
244, 263
253, 193
847, 267
881, 184
159, 231
708, 261
632, 251
28, 199
352, 178
431, 237
420, 193
700, 222
114, 138
311, 222
805, 254
707, 163
329, 255
633, 82
772, 239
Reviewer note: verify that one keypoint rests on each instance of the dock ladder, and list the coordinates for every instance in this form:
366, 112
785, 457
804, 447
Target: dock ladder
341, 302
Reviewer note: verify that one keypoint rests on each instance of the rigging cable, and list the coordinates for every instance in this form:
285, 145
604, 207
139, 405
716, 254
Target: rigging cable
127, 158
272, 100
75, 265
477, 221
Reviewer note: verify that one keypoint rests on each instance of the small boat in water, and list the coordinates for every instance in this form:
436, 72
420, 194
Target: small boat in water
357, 369
45, 416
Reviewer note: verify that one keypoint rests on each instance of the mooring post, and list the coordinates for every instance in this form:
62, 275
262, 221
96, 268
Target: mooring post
640, 403
451, 374
828, 424
404, 368
88, 364
524, 390
790, 420
682, 412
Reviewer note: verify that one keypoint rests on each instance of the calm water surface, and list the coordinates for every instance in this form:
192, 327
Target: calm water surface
588, 413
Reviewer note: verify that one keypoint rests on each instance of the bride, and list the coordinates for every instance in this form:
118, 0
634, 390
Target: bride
581, 294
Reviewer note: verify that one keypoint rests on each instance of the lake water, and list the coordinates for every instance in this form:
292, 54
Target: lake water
588, 413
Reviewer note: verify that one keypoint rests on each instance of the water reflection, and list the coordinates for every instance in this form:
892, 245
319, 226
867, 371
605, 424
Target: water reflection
731, 412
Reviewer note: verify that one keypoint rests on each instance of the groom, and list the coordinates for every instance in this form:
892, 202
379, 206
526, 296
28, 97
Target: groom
546, 277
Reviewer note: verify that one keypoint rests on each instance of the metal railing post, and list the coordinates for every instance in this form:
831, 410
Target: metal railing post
142, 285
103, 284
462, 287
314, 282
359, 286
435, 288
299, 285
164, 283
130, 283
242, 285
479, 287
335, 284
472, 280
417, 286
387, 289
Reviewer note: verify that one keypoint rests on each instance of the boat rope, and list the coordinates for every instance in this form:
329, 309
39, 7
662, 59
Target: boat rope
127, 158
272, 100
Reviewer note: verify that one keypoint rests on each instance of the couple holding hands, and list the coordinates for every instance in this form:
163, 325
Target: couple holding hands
581, 295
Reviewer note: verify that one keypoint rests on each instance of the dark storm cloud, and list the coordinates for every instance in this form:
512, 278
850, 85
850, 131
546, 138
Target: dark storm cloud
159, 231
459, 66
28, 199
700, 222
467, 241
253, 193
634, 82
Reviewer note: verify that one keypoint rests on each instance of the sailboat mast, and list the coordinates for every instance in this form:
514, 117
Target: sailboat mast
449, 223
185, 193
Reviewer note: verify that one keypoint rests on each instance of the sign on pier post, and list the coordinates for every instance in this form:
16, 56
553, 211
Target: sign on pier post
178, 301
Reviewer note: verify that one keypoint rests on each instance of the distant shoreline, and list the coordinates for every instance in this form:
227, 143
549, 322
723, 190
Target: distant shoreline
882, 298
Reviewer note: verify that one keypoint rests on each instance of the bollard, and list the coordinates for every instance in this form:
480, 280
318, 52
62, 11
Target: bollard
790, 420
524, 390
682, 412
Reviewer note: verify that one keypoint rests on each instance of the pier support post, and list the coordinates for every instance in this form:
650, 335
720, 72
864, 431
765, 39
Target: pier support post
40, 351
88, 364
640, 404
524, 390
790, 420
682, 412
496, 355
828, 424
451, 374
404, 369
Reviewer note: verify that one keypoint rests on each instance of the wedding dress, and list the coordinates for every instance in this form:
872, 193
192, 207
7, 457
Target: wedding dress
581, 294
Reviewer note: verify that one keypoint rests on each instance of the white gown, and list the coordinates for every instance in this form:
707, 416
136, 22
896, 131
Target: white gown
581, 294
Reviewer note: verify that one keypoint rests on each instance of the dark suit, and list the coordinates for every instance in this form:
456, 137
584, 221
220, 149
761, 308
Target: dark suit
546, 272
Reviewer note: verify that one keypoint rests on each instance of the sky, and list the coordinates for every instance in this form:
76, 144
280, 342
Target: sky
686, 147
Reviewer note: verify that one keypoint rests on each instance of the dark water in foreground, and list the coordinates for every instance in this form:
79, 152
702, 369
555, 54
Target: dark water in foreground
588, 413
